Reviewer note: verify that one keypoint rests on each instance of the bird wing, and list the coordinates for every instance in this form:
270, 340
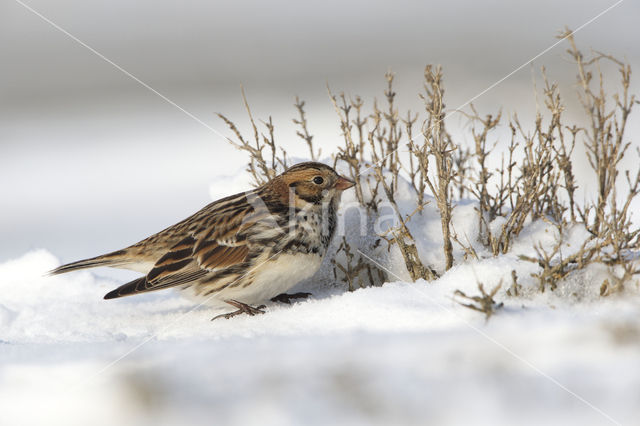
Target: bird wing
218, 244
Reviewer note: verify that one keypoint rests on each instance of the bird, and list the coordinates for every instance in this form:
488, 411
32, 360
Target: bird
241, 250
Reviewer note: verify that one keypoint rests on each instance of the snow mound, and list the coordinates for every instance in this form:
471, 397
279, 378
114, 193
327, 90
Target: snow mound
401, 353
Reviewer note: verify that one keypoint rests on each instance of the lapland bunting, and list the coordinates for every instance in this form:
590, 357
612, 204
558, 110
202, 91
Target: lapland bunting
244, 249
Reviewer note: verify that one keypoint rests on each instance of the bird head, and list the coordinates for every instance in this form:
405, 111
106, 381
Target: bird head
311, 183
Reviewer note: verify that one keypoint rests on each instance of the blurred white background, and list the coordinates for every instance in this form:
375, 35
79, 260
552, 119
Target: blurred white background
90, 160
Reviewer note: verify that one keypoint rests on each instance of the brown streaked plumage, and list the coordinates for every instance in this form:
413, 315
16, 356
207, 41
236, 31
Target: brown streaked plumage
243, 249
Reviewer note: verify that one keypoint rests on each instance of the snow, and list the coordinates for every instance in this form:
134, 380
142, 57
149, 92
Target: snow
401, 353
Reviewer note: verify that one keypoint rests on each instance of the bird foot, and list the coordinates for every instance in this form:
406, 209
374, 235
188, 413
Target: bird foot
286, 298
243, 308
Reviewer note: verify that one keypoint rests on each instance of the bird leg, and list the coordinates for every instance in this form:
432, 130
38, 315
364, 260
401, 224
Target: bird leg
286, 298
243, 308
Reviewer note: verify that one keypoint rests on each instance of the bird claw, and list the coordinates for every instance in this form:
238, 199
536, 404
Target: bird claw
243, 308
286, 298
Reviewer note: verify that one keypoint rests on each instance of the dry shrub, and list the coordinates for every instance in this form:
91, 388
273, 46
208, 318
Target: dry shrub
535, 179
356, 270
543, 185
373, 142
483, 303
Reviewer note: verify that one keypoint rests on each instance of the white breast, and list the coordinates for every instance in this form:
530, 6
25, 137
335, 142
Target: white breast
275, 277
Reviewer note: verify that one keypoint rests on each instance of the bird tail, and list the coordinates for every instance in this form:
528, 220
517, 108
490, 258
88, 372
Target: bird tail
116, 258
128, 289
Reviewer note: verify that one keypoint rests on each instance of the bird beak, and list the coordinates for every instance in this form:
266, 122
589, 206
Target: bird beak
343, 183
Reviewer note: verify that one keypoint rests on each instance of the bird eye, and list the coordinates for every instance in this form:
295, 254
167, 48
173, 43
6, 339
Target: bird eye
318, 180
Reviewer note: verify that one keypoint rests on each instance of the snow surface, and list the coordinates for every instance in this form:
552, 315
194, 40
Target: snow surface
401, 353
